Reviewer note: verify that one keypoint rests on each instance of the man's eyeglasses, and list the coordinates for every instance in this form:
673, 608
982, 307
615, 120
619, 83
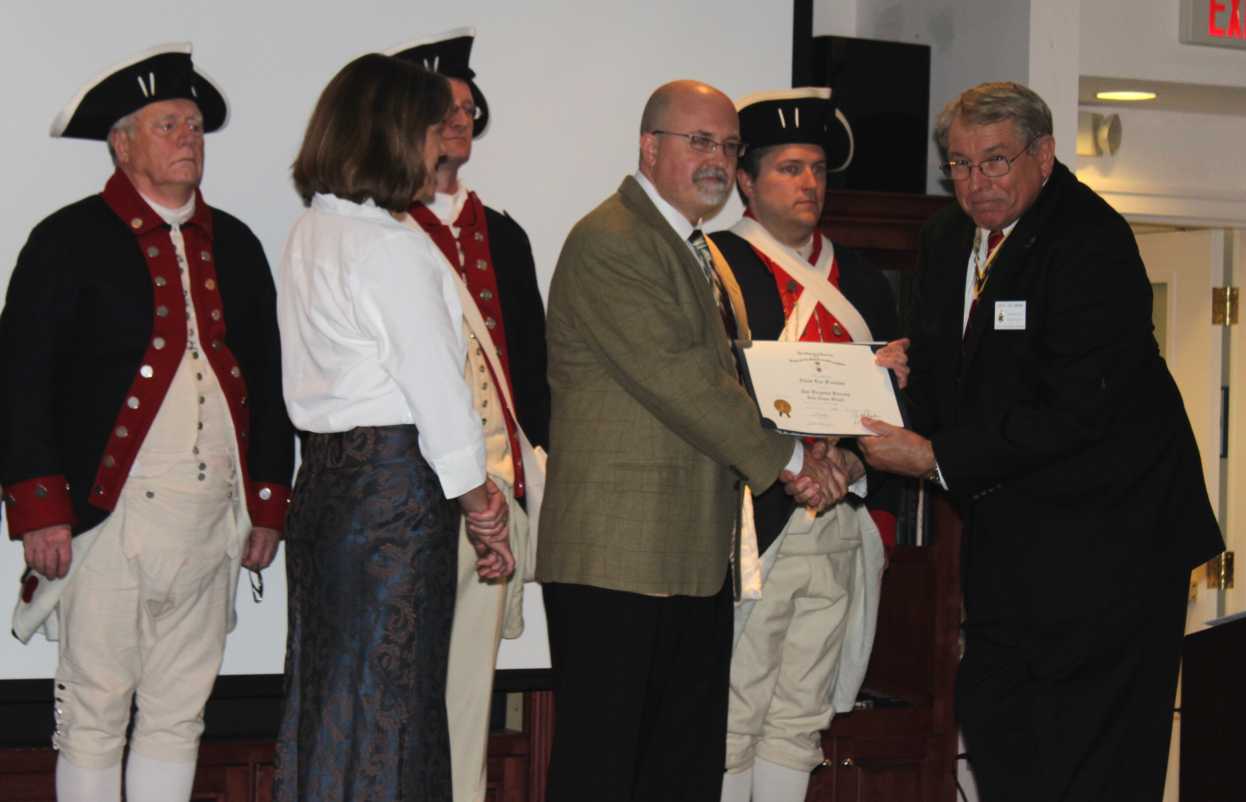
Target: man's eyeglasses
732, 148
992, 167
469, 109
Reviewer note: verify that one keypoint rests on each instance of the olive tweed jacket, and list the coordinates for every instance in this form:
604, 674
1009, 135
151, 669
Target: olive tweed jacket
651, 432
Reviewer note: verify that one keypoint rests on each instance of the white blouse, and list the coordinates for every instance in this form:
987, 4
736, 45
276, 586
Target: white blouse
371, 335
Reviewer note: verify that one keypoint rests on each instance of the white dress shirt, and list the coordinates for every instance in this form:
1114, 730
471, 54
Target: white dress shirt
371, 335
981, 235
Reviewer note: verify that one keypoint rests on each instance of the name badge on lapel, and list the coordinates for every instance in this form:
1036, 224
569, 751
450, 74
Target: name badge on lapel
1010, 315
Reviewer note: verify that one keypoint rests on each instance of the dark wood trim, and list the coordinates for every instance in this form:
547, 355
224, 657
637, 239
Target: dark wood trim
241, 705
885, 224
539, 723
516, 680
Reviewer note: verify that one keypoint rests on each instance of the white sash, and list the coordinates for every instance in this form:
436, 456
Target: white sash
533, 456
817, 289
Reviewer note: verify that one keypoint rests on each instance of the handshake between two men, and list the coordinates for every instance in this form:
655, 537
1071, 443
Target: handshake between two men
828, 470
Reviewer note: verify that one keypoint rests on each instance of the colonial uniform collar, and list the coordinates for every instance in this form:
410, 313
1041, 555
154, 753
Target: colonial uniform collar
121, 196
810, 251
170, 215
447, 207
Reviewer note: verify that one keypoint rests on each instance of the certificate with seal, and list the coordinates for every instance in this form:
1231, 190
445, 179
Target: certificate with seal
820, 389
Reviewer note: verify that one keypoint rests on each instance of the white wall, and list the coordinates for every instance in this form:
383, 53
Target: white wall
1053, 68
1171, 166
565, 81
1140, 39
1174, 167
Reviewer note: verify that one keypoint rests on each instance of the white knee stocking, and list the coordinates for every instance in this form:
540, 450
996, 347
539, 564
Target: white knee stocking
775, 783
738, 787
78, 784
151, 780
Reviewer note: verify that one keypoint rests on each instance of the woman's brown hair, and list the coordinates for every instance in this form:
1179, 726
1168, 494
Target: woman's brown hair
365, 138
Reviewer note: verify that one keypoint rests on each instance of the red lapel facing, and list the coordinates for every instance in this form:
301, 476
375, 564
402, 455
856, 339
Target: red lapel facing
476, 267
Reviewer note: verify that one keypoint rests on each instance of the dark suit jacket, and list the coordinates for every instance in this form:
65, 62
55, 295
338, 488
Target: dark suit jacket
1066, 443
523, 315
78, 319
651, 432
867, 290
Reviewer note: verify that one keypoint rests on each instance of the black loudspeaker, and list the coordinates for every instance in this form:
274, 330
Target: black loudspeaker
883, 88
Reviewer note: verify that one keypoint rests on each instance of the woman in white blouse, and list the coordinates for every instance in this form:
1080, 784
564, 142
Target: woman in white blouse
373, 355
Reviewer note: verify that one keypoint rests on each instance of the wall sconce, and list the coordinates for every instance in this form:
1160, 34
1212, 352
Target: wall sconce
1098, 134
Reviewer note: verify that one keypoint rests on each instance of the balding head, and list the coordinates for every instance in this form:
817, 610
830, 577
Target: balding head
694, 182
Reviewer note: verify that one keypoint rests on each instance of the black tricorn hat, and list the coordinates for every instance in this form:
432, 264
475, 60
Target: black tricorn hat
164, 72
804, 115
448, 54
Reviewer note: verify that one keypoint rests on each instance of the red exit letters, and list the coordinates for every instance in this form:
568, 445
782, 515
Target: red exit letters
1235, 29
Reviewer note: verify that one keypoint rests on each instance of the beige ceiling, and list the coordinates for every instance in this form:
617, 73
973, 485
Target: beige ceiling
1197, 98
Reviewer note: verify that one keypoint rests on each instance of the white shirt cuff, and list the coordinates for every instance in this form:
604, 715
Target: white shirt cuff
798, 458
460, 471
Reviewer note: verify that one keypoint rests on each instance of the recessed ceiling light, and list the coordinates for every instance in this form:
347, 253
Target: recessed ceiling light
1125, 95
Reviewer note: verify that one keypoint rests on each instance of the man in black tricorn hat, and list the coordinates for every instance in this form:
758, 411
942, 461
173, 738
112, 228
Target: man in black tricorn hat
144, 446
801, 650
506, 370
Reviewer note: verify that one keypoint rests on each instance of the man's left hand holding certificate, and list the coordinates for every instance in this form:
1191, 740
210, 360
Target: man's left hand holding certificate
819, 389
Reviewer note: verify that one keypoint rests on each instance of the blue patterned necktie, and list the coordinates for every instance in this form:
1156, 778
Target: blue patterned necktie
706, 259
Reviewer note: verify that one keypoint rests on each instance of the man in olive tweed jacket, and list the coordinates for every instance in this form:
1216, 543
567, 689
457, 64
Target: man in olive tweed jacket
651, 438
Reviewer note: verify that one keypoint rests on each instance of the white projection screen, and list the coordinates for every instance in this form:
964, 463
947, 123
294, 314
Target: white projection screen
565, 82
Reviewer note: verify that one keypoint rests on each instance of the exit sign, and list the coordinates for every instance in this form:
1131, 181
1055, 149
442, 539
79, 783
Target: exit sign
1219, 23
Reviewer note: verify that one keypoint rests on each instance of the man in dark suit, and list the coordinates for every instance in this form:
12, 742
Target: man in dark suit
1048, 413
491, 254
652, 436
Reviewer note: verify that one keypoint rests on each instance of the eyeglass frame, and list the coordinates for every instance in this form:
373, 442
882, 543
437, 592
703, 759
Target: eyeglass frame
709, 145
947, 166
257, 585
455, 108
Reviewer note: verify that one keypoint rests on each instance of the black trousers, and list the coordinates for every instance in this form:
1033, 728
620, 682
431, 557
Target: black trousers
640, 694
1095, 728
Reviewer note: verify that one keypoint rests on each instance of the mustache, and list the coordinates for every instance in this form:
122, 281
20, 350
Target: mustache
710, 173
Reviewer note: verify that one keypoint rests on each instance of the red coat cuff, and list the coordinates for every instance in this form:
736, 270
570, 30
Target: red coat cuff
886, 523
36, 503
267, 504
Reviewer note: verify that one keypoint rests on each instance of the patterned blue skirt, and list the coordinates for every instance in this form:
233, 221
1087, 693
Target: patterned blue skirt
370, 564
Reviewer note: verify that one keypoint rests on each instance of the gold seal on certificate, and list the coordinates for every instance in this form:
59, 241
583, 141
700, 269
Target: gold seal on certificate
820, 389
